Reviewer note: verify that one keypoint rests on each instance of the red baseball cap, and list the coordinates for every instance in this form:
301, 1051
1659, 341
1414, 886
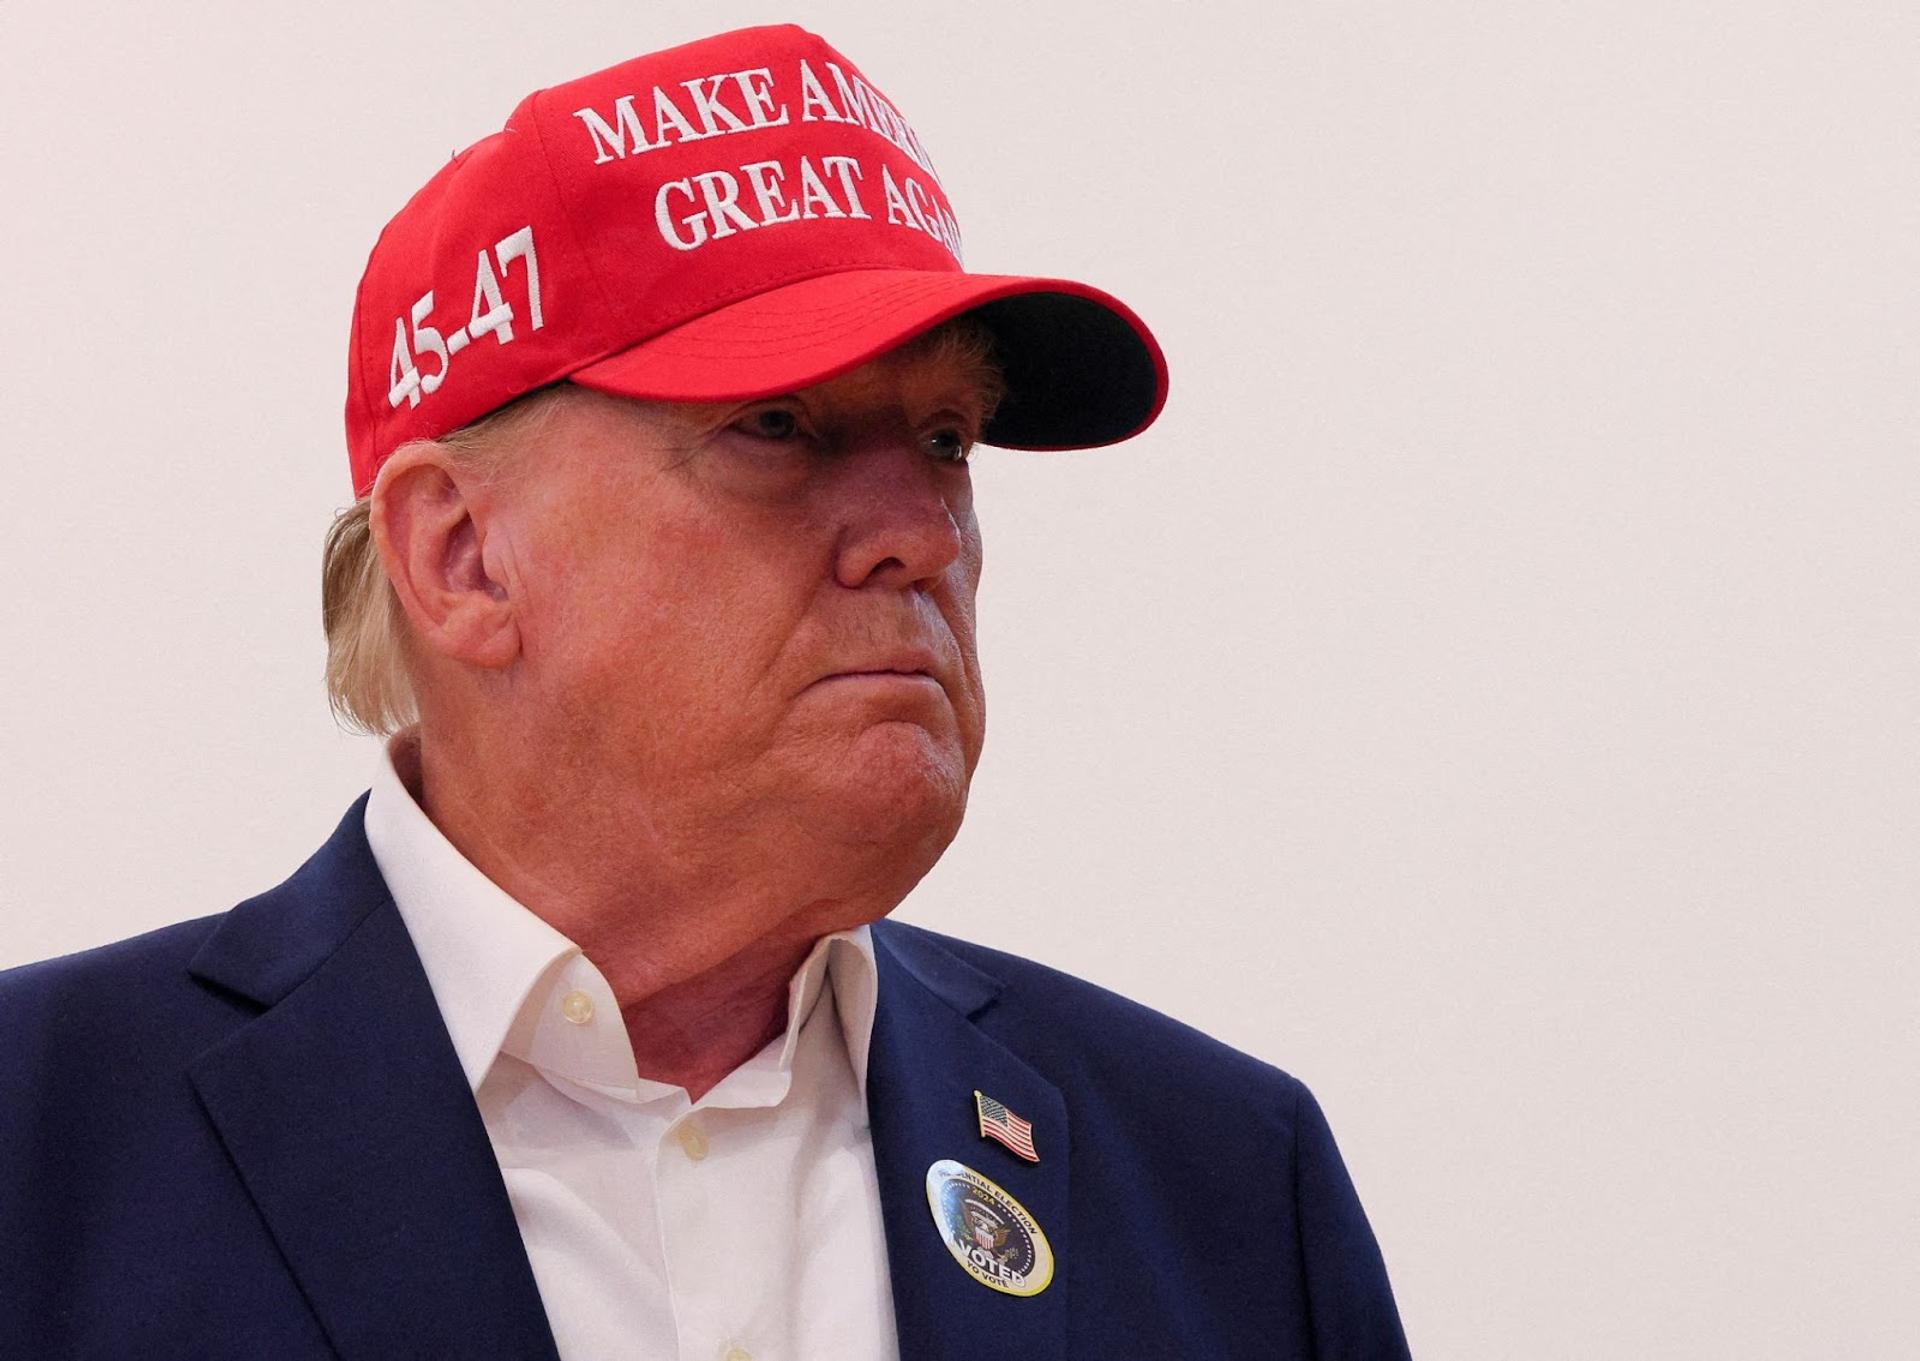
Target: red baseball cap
733, 218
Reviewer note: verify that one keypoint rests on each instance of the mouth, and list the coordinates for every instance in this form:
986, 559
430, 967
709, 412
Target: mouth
909, 663
883, 678
899, 680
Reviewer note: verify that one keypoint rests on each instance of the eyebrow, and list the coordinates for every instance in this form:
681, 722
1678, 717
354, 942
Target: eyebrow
979, 380
976, 381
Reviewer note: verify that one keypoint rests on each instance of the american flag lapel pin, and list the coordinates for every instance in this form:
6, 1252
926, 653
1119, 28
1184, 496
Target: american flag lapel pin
1003, 1126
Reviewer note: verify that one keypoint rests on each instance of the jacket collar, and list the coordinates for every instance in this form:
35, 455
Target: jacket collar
350, 1121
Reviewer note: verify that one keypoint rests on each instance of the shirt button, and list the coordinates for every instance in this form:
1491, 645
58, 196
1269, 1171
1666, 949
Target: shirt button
694, 1144
737, 1354
577, 1007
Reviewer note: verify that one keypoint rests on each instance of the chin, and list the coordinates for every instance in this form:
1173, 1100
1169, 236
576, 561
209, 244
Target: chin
900, 777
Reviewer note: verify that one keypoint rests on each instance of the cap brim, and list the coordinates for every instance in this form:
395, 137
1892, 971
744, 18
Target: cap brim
1081, 369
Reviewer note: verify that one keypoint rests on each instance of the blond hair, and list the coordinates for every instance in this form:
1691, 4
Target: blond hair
369, 672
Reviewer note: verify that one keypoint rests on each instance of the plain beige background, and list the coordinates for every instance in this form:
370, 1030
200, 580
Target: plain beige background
1488, 693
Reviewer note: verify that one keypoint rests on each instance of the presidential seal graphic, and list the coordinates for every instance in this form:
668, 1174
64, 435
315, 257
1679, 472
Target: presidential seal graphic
989, 1233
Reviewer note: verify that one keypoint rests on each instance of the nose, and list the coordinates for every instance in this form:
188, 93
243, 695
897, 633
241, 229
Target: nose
902, 513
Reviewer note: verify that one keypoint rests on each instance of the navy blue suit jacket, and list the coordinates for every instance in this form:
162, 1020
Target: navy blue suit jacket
248, 1136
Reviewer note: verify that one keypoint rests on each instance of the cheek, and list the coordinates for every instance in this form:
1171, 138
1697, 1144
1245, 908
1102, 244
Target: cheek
591, 612
671, 610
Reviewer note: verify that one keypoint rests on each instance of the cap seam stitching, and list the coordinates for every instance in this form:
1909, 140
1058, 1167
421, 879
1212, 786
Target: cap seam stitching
566, 209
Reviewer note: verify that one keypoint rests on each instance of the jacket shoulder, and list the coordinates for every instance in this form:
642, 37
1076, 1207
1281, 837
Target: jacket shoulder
135, 1004
1075, 1023
112, 970
122, 998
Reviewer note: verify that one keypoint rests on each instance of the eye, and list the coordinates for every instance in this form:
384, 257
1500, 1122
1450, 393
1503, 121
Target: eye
776, 423
949, 444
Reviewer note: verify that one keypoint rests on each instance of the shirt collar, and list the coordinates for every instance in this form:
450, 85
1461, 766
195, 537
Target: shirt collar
503, 977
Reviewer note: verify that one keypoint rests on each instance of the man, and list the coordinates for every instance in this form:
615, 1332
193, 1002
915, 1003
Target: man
585, 1034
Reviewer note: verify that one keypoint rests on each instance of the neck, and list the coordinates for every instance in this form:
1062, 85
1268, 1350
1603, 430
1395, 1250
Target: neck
698, 936
694, 1033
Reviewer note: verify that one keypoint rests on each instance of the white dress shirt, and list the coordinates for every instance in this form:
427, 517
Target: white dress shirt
742, 1227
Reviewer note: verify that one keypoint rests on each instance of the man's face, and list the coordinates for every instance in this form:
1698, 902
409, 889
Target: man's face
694, 583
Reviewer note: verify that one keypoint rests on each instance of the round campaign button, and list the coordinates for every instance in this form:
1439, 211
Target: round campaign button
989, 1233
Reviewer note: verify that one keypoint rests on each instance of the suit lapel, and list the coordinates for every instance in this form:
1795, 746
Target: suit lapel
927, 1058
345, 1111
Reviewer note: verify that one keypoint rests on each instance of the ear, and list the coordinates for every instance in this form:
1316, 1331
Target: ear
430, 522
